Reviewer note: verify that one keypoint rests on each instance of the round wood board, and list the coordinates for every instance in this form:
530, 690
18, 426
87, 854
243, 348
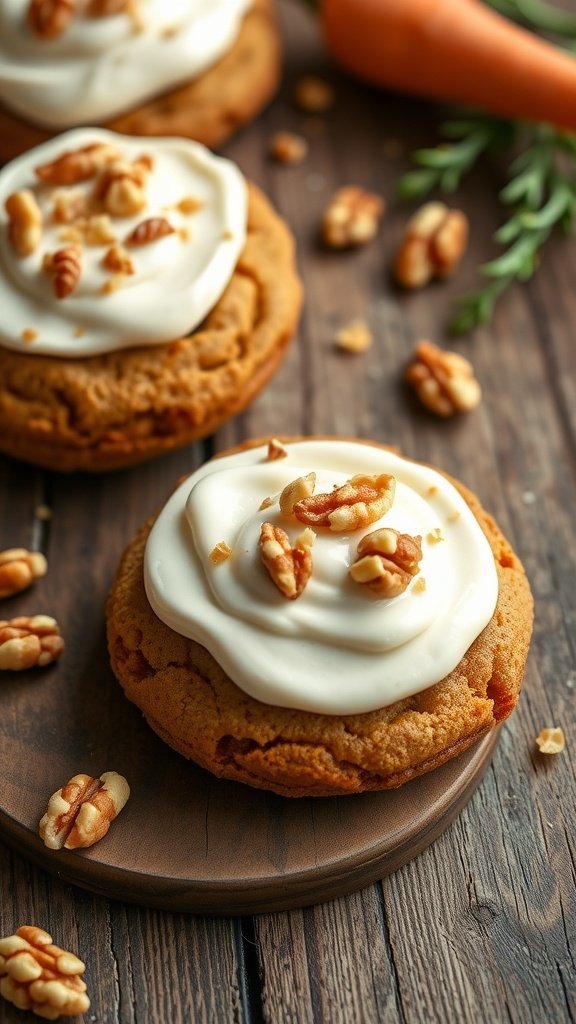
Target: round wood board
187, 841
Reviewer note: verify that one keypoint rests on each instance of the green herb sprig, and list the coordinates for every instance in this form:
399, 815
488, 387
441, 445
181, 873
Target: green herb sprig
541, 193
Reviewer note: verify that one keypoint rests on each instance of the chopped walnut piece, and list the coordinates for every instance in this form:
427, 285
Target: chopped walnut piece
355, 336
313, 95
220, 553
68, 205
118, 260
39, 976
351, 218
551, 741
362, 500
65, 266
19, 568
77, 164
25, 222
288, 148
433, 245
289, 567
80, 813
444, 381
27, 641
149, 230
98, 230
434, 536
113, 284
121, 187
419, 585
265, 503
387, 561
295, 491
50, 18
276, 450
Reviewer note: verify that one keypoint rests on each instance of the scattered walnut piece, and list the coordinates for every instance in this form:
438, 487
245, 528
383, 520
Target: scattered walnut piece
295, 491
19, 568
29, 640
50, 18
39, 976
551, 741
220, 553
351, 218
29, 334
265, 503
289, 567
444, 381
434, 536
80, 814
118, 260
25, 222
149, 230
121, 187
288, 148
77, 164
65, 266
387, 561
355, 336
362, 500
313, 95
276, 450
434, 242
419, 585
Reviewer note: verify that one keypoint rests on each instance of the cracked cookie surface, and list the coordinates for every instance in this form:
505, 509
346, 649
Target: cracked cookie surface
114, 410
197, 709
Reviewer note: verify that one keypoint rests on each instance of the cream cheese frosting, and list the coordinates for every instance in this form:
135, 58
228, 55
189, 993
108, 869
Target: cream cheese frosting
174, 281
336, 649
102, 66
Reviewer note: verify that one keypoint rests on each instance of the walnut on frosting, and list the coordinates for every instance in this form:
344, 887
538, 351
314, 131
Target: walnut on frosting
25, 222
289, 567
362, 500
387, 561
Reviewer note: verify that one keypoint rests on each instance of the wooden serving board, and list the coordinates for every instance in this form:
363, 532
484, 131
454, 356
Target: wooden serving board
190, 842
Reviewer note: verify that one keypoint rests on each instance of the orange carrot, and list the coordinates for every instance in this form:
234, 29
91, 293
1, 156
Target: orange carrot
457, 50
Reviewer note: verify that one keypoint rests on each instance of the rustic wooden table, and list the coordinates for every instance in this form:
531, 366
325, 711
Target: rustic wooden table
478, 927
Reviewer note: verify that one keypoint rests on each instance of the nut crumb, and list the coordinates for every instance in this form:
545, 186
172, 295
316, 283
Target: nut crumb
79, 332
220, 553
354, 336
112, 284
276, 450
184, 234
188, 204
228, 236
551, 741
265, 503
288, 148
454, 517
419, 585
43, 513
28, 334
313, 95
434, 536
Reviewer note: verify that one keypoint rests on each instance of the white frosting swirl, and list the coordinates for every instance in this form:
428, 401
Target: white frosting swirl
337, 649
177, 279
101, 67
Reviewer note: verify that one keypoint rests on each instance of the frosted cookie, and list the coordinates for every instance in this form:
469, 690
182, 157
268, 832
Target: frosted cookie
147, 294
320, 617
142, 67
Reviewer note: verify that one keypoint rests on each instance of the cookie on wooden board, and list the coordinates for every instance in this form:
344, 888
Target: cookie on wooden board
208, 107
338, 690
148, 294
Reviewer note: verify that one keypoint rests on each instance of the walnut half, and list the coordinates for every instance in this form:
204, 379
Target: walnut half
387, 561
444, 381
80, 813
289, 567
39, 976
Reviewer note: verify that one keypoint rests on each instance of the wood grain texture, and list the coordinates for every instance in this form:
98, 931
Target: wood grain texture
481, 926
